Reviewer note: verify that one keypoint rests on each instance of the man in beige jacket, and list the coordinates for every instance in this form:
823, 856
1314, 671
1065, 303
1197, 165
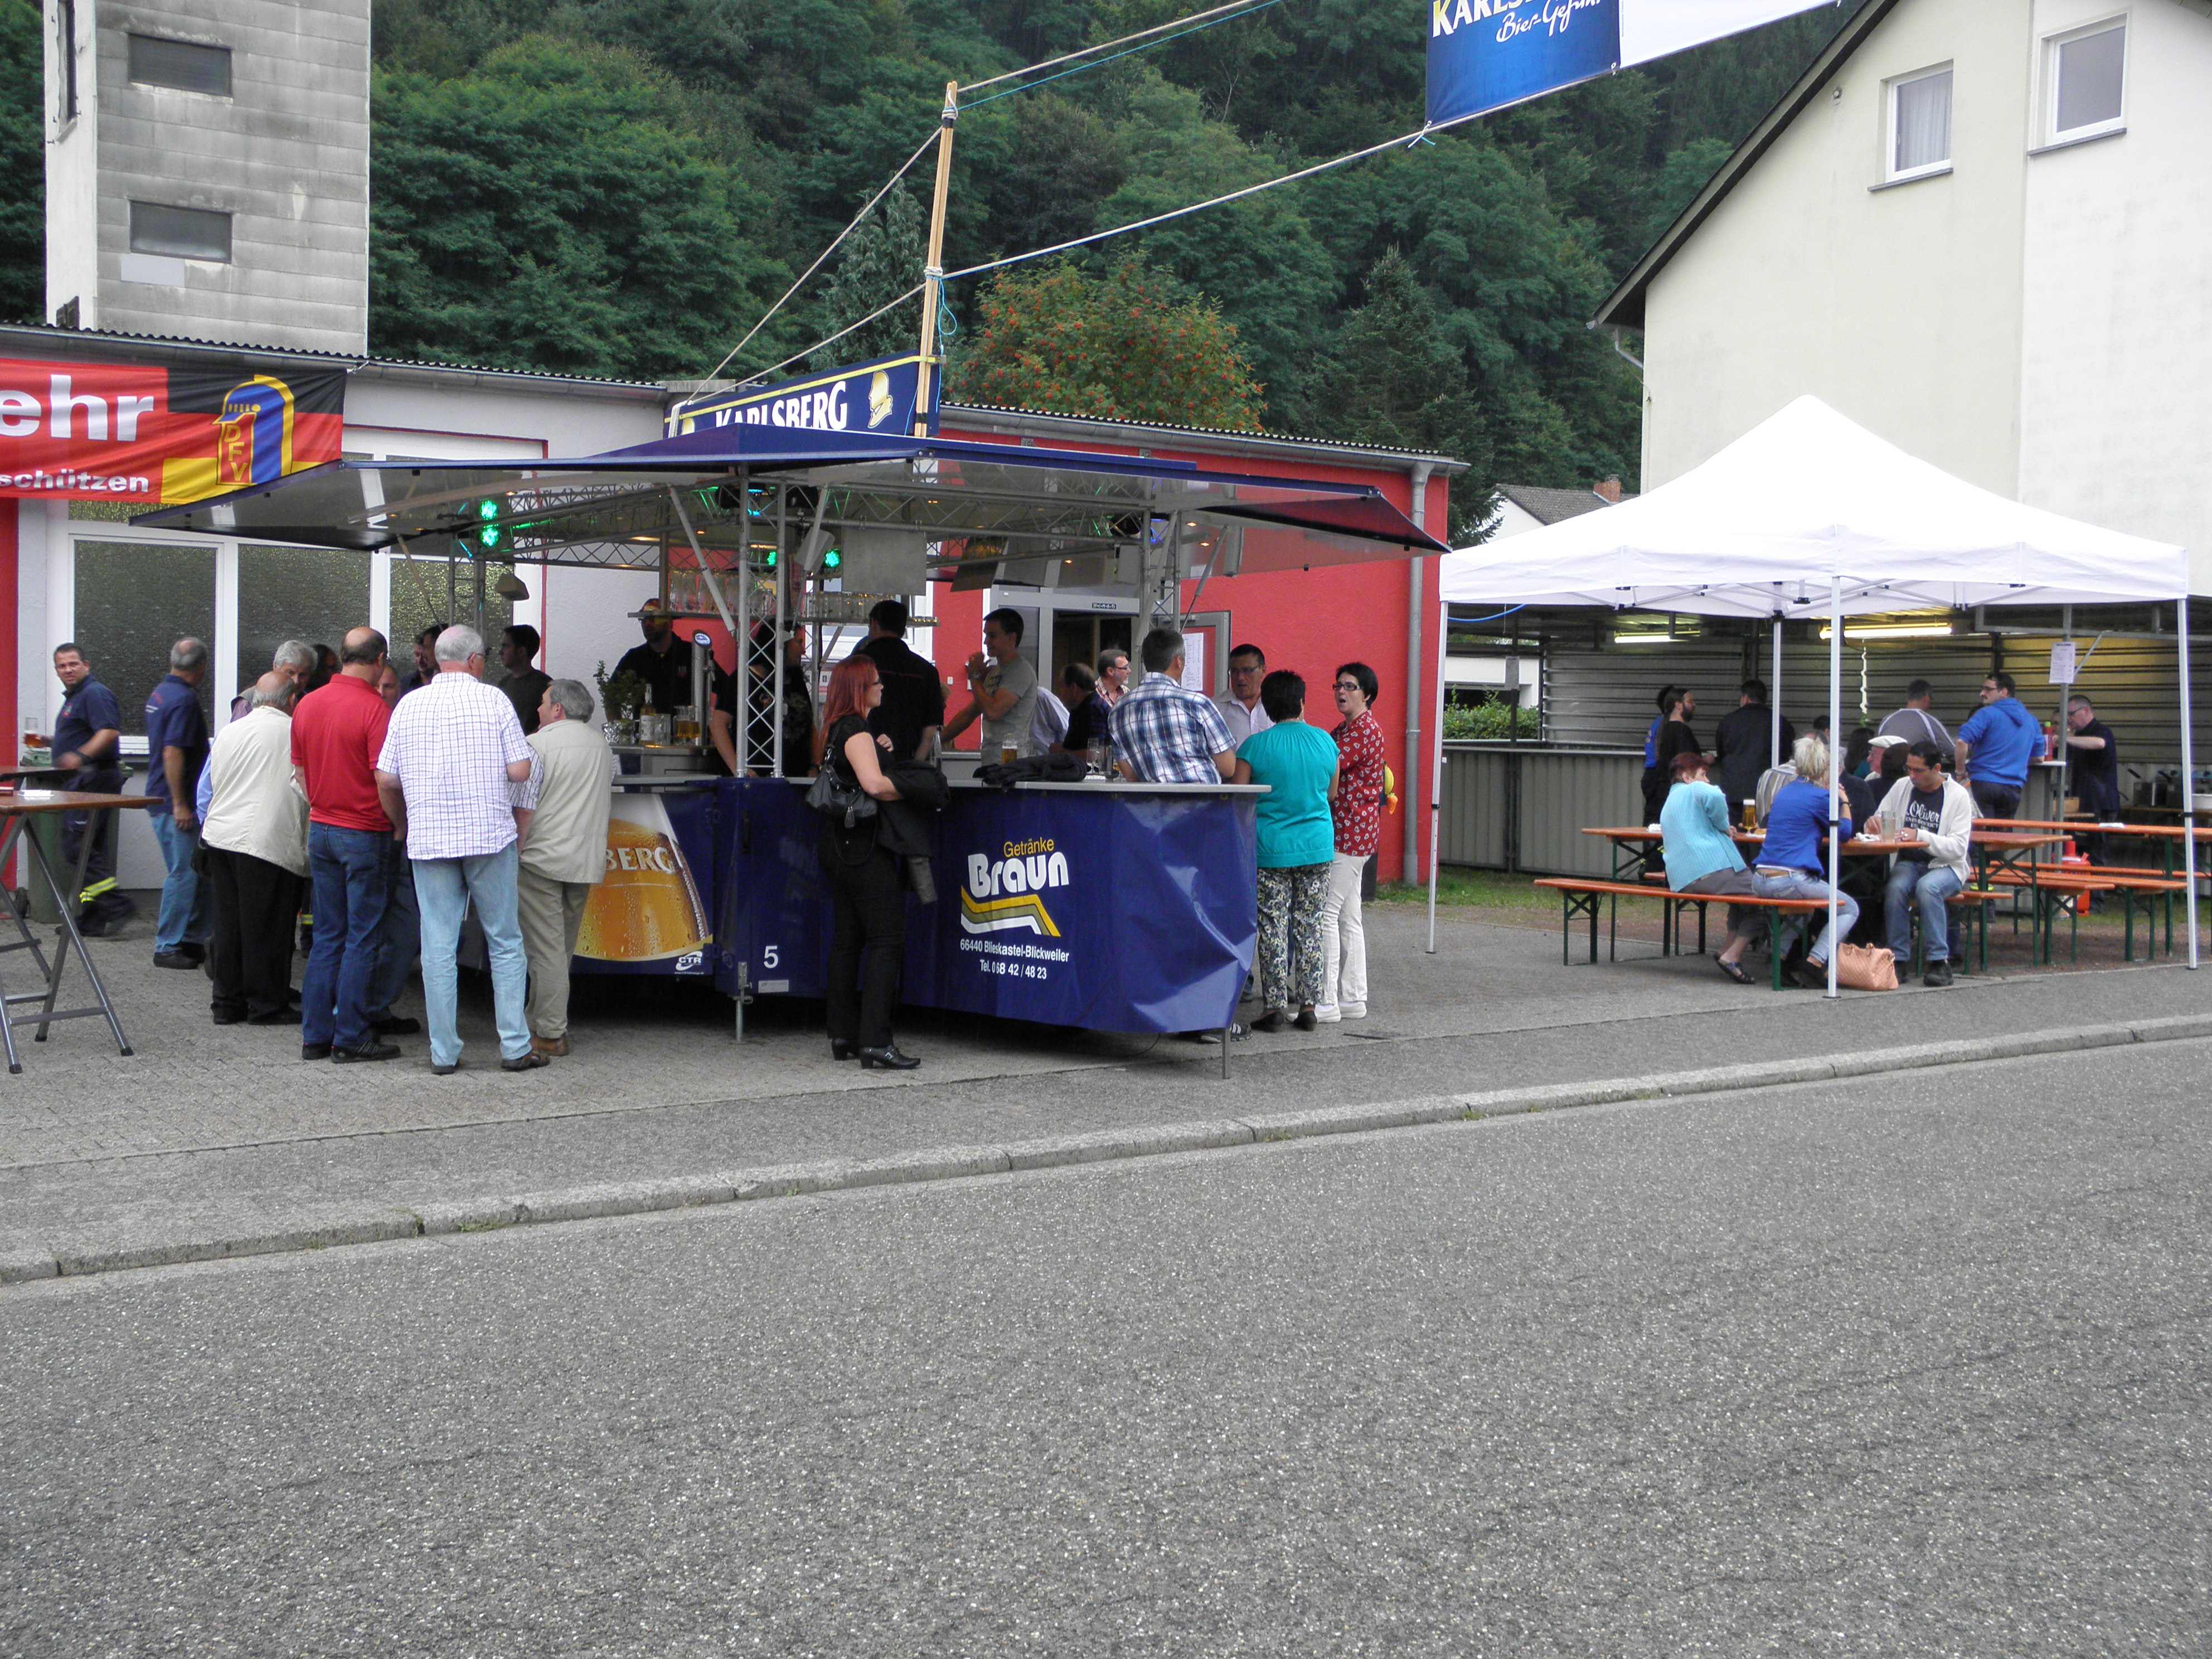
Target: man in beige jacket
254, 844
565, 854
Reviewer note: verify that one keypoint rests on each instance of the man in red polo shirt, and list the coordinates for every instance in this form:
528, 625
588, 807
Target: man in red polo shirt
337, 733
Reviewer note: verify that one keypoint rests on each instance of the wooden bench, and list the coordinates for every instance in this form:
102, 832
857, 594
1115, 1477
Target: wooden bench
2137, 885
1580, 897
2058, 889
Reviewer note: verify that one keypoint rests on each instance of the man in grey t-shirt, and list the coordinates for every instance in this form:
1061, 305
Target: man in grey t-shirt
1004, 689
1915, 723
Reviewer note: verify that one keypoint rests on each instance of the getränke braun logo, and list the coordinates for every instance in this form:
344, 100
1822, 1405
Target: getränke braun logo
1003, 894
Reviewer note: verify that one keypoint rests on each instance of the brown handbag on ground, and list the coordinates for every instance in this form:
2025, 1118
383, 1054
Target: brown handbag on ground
1865, 968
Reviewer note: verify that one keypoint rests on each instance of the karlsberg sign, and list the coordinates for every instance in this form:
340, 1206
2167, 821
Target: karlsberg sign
877, 397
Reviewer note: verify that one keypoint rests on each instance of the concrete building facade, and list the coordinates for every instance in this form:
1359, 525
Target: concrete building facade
206, 170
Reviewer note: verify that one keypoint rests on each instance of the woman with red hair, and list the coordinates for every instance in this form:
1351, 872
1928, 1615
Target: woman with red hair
868, 941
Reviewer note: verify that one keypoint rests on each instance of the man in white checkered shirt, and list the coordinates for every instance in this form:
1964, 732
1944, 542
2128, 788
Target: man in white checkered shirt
458, 780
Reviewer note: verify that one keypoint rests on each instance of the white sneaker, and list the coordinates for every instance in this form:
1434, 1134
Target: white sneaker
1328, 1016
1353, 1010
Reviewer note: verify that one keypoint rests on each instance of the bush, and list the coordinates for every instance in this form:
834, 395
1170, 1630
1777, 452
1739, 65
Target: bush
1490, 720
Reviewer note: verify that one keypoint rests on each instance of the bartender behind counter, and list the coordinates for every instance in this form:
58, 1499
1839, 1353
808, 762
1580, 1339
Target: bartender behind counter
663, 662
798, 757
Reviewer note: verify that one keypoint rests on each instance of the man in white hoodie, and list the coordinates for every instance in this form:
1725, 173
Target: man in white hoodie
1936, 815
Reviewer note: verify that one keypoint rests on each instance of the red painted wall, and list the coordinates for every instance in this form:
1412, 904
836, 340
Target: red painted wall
1305, 620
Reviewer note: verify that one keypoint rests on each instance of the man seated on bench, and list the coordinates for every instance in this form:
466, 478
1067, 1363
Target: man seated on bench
1701, 857
1937, 816
1804, 814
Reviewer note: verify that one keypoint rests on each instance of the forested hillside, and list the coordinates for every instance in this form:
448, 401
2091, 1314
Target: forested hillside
621, 186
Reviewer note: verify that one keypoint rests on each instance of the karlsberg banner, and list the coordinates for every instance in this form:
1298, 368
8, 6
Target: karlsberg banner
83, 431
1486, 54
876, 397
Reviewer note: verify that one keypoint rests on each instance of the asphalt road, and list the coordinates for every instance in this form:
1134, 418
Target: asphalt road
1918, 1364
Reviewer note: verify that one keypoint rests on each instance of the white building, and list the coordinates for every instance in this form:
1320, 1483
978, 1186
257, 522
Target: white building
1979, 229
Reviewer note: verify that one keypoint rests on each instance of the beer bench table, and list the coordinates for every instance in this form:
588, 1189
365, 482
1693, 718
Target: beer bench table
18, 808
1580, 895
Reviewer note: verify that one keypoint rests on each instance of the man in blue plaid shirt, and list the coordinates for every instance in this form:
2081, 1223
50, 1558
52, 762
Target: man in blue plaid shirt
1165, 733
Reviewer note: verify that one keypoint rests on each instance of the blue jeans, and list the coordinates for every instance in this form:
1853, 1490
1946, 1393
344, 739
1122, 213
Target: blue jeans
351, 878
184, 908
1797, 884
401, 940
1928, 886
443, 888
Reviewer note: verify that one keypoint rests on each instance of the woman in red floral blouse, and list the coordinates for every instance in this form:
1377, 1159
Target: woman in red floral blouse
1358, 812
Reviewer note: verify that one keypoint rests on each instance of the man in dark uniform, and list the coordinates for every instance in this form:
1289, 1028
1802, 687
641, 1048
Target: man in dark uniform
663, 662
524, 686
86, 743
2095, 754
913, 708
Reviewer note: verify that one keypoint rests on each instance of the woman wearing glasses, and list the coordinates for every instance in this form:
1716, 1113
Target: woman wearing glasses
1358, 810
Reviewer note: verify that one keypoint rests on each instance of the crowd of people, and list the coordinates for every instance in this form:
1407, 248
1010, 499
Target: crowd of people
378, 808
1318, 825
1909, 780
381, 808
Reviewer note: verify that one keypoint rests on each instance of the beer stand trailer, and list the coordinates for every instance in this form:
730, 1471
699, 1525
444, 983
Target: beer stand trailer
1102, 905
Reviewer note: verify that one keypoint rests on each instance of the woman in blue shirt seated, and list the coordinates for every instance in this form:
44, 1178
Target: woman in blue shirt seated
1297, 845
1701, 856
1792, 865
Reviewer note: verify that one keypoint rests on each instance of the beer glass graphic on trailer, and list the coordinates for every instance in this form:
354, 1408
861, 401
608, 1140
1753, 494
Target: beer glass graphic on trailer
647, 907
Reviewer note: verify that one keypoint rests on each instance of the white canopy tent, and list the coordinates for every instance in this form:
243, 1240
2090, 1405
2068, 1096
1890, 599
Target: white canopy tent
1810, 514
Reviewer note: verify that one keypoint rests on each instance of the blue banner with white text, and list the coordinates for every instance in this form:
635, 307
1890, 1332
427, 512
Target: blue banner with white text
1486, 54
1107, 909
876, 397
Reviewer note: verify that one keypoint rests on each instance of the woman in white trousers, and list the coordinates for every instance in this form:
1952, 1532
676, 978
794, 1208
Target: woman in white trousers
1358, 813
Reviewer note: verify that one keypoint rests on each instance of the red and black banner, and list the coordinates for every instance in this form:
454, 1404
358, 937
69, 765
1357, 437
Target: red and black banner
85, 431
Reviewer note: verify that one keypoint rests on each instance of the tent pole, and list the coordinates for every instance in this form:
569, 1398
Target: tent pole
1774, 704
1835, 764
2188, 782
1437, 754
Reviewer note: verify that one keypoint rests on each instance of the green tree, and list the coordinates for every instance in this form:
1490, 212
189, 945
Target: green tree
1124, 346
1680, 178
879, 261
22, 166
1260, 259
1393, 380
553, 210
1066, 161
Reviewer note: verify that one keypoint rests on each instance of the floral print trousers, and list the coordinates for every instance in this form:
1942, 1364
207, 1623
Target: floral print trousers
1289, 935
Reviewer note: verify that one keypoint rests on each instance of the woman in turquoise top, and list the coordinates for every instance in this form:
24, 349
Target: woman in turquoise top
1701, 855
1297, 842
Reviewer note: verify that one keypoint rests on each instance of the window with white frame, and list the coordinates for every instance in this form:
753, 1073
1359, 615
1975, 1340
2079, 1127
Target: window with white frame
1920, 123
2085, 79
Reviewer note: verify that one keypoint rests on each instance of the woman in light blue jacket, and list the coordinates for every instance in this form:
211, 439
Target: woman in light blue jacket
1701, 857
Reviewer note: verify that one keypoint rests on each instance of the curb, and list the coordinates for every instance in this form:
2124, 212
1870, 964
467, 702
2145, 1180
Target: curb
1154, 1140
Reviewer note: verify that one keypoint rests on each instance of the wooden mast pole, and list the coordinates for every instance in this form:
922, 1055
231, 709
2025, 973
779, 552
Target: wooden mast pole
932, 274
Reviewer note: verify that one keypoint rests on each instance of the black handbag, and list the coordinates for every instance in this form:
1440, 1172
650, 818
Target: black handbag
844, 803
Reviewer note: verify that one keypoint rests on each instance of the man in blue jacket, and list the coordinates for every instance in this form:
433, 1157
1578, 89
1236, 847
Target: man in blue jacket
2003, 739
